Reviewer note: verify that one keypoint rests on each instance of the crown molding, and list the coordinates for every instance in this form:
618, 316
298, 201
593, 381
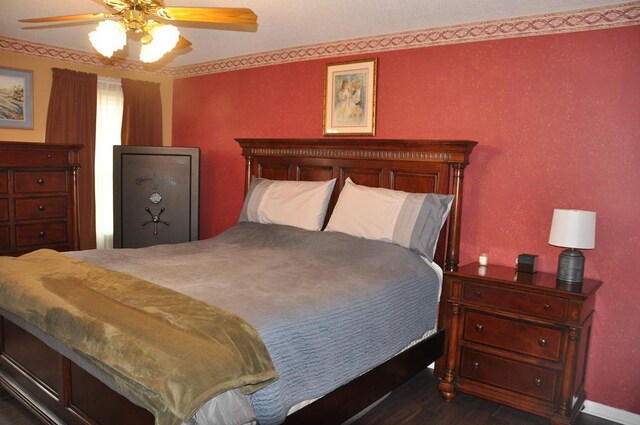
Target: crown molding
614, 16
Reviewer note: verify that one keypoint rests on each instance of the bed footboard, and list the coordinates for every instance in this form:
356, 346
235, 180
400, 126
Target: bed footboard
54, 388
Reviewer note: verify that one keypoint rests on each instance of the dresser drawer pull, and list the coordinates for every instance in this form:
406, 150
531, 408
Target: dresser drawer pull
40, 181
542, 342
538, 382
479, 327
41, 207
49, 156
42, 234
475, 365
547, 307
477, 292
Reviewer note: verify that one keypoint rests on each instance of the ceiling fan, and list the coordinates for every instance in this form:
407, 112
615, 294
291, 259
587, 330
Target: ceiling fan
148, 18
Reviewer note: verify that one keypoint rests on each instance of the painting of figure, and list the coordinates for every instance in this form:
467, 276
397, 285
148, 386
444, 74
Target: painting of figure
350, 98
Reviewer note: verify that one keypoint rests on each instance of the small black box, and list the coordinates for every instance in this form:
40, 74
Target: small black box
526, 263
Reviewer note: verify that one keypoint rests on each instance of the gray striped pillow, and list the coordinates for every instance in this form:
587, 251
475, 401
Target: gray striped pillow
293, 203
411, 220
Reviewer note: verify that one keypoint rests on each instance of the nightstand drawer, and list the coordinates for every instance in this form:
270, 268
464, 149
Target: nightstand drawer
41, 234
509, 374
44, 181
513, 335
542, 306
34, 208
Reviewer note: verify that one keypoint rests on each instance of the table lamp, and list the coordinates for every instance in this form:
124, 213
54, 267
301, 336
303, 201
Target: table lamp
575, 230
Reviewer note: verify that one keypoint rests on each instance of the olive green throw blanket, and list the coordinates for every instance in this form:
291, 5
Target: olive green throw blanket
168, 351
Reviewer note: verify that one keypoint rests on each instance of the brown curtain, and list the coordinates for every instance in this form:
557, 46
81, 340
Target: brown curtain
71, 119
142, 113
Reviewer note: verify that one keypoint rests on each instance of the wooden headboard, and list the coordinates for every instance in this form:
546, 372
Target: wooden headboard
419, 166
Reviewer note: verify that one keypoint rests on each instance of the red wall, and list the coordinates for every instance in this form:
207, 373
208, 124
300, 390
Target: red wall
557, 119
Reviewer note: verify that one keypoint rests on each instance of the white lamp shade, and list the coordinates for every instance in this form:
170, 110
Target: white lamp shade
573, 229
108, 37
164, 39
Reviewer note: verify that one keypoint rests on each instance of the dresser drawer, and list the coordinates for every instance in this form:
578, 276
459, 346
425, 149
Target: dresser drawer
4, 210
41, 234
39, 155
542, 306
33, 208
39, 182
509, 374
514, 335
4, 188
5, 242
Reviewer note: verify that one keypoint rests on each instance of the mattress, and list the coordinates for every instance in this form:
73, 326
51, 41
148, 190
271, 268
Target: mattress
328, 306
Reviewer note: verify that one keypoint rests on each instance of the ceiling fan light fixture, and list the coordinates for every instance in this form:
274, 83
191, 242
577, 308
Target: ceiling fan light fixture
163, 39
108, 37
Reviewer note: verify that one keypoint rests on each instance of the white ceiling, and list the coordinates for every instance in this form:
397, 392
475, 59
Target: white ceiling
281, 23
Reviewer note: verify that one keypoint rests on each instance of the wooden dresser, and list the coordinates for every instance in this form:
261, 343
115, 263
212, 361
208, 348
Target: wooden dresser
38, 197
517, 339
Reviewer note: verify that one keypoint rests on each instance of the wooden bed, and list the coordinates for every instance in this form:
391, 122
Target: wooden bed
58, 391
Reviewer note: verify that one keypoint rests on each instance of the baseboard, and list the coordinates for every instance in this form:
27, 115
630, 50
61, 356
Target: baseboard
611, 413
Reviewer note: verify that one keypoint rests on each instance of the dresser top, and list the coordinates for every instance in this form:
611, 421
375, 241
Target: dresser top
508, 276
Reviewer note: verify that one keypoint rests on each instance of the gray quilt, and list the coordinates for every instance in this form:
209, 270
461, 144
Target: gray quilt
328, 306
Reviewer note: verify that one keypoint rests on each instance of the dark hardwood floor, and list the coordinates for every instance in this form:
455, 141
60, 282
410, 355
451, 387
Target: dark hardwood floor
415, 403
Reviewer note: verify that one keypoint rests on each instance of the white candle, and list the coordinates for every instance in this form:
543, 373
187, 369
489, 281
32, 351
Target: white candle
483, 259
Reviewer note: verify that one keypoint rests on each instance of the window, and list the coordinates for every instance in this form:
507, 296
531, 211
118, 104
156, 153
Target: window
108, 128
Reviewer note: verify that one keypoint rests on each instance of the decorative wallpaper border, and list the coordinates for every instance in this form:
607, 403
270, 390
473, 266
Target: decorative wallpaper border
582, 20
589, 19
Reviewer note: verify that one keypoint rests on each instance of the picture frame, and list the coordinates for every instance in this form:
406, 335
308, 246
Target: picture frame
16, 98
350, 98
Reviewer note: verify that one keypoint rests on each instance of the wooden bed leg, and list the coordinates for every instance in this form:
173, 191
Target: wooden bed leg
447, 383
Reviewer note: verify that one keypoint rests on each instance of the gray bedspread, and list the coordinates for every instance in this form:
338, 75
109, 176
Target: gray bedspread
328, 306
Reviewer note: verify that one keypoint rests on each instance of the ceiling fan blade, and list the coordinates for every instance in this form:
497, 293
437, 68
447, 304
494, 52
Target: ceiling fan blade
64, 18
220, 15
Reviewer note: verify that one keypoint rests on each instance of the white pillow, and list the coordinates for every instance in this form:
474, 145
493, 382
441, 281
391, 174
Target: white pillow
293, 203
412, 220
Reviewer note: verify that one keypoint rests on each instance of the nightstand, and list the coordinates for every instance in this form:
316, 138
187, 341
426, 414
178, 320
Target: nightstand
516, 338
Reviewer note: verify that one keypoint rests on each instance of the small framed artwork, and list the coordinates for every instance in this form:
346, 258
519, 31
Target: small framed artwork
350, 98
16, 98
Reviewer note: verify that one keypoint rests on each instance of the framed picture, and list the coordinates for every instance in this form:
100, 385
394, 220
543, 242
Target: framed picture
16, 98
350, 98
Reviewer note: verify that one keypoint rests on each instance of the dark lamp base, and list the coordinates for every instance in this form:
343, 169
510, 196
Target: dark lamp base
571, 266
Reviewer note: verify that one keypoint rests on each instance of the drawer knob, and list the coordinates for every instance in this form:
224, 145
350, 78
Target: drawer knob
49, 156
542, 342
40, 181
479, 327
538, 382
477, 292
547, 306
42, 234
475, 365
41, 207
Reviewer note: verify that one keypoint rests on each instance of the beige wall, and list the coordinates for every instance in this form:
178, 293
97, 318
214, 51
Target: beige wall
42, 77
